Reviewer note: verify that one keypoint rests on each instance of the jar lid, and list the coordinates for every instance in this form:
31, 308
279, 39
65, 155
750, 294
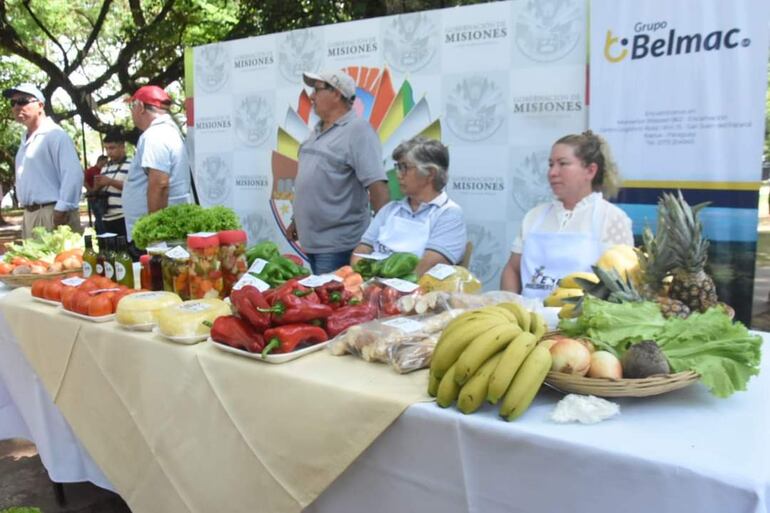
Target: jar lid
144, 259
202, 240
232, 236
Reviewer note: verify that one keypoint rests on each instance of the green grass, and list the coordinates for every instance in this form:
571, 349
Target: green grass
21, 510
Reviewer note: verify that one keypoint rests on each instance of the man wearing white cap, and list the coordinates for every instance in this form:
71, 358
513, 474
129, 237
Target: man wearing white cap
340, 173
49, 178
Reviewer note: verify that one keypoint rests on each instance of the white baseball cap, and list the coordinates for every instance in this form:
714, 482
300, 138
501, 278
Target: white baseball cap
27, 88
338, 79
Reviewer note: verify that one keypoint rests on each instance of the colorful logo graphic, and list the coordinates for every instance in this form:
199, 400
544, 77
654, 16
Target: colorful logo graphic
393, 114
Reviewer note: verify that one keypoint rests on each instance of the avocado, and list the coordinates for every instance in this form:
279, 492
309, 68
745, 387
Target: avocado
644, 359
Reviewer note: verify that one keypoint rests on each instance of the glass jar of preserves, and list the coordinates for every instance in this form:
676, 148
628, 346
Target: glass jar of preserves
155, 252
232, 256
205, 268
176, 271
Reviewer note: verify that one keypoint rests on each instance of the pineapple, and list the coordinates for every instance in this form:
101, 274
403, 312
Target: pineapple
672, 307
682, 230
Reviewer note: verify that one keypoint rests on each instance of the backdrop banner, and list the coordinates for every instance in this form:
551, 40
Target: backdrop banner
678, 89
497, 83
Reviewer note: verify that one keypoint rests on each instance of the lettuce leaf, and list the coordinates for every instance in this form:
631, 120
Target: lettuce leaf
721, 351
176, 221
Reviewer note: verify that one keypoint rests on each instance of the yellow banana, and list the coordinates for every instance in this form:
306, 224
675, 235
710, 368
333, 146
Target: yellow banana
512, 358
450, 346
510, 316
473, 392
465, 317
433, 382
521, 313
537, 325
526, 383
447, 389
482, 348
568, 282
556, 298
567, 311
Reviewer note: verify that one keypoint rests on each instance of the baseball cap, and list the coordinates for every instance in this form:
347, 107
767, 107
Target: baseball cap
25, 88
338, 79
152, 95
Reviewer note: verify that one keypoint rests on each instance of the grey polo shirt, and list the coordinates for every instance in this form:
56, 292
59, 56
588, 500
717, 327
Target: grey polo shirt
48, 169
331, 203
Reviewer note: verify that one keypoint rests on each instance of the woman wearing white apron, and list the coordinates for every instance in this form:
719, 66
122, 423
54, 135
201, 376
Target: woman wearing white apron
570, 233
425, 222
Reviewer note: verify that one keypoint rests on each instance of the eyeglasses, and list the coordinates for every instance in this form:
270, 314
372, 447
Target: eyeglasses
403, 167
21, 102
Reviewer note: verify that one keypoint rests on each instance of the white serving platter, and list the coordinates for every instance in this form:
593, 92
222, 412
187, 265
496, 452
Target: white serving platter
271, 358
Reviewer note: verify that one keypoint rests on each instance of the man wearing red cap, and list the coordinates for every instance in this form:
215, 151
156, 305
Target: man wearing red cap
159, 174
49, 177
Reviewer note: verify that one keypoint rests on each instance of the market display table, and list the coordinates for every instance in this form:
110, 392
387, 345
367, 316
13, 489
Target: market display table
194, 429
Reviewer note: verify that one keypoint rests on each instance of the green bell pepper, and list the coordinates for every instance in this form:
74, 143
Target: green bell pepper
266, 250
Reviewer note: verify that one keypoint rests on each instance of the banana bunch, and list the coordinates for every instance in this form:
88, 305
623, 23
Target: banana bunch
490, 353
568, 291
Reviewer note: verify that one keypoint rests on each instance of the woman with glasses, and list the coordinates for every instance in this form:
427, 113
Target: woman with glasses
570, 233
425, 222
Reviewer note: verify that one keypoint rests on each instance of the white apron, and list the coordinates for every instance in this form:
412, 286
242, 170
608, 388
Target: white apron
548, 256
402, 235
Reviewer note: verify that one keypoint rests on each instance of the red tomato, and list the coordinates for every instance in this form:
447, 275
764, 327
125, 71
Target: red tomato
82, 301
53, 290
68, 297
38, 288
101, 305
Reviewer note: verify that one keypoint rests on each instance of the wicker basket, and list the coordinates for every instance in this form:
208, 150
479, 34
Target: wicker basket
25, 280
607, 387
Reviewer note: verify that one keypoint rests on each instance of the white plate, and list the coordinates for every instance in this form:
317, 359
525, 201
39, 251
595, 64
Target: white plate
46, 301
103, 318
137, 327
271, 358
190, 339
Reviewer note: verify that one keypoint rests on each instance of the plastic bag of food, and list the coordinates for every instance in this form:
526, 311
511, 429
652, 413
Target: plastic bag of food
449, 278
412, 355
372, 340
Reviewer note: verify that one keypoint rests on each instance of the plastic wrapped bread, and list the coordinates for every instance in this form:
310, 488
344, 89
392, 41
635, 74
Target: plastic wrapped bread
141, 309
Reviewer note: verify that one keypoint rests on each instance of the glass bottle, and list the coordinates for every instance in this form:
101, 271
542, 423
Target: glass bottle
109, 257
123, 265
156, 265
89, 258
145, 275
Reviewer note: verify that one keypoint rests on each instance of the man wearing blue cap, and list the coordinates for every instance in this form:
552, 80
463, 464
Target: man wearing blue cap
49, 178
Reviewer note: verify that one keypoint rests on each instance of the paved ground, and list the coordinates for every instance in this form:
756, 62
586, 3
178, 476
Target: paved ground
24, 481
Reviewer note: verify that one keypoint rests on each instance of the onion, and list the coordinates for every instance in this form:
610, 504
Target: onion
605, 365
570, 356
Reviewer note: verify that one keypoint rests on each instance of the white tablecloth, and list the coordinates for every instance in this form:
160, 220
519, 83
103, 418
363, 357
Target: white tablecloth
681, 452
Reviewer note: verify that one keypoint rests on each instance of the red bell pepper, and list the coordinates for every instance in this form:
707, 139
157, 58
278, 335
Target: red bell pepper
290, 309
248, 302
293, 288
389, 301
235, 332
333, 294
285, 339
348, 316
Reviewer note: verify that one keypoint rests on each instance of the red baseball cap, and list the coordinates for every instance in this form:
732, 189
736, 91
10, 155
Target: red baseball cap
152, 95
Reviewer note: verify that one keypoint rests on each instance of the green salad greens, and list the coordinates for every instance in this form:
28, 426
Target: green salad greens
176, 221
721, 351
44, 245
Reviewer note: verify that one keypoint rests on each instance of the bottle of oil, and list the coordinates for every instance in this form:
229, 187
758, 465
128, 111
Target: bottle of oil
89, 258
123, 265
109, 256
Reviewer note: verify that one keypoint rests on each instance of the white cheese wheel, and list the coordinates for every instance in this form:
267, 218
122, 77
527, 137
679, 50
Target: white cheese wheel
141, 308
186, 319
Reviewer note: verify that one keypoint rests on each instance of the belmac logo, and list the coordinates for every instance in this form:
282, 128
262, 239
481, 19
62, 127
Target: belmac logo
300, 51
474, 109
649, 42
548, 30
211, 67
411, 41
215, 174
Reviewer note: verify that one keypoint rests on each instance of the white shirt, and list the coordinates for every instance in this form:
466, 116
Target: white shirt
616, 228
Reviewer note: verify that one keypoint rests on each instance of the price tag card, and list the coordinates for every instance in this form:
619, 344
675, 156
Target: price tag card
250, 279
177, 253
257, 265
404, 324
441, 271
373, 256
318, 280
399, 284
72, 282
